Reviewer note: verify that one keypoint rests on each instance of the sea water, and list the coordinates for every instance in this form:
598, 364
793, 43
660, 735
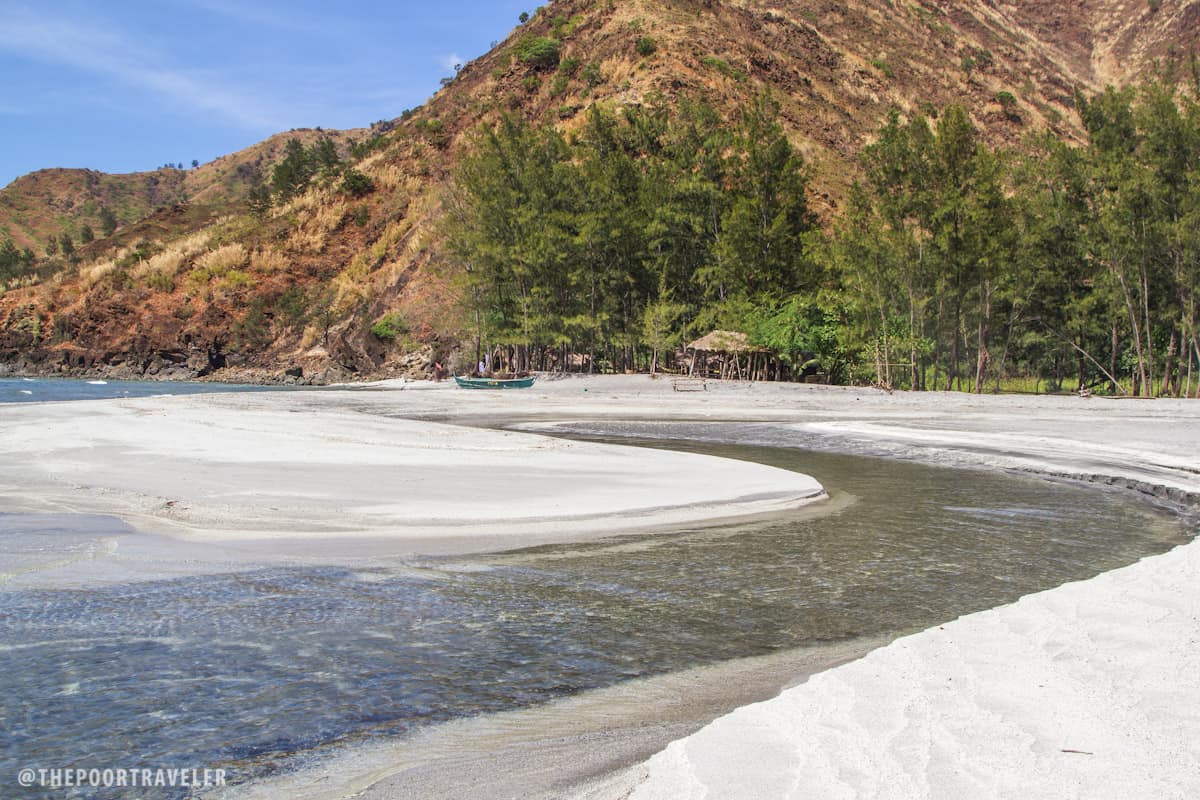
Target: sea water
35, 390
269, 667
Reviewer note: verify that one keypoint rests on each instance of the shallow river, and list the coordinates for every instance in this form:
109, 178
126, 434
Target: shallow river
266, 668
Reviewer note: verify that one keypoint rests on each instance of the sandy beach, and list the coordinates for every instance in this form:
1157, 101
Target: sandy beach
1088, 690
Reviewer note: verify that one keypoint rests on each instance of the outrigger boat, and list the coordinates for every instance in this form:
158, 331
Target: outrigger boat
495, 383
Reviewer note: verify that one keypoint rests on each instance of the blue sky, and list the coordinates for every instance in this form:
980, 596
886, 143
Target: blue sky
127, 86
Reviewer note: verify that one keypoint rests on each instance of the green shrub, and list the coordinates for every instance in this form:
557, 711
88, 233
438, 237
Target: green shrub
356, 184
253, 330
722, 66
161, 282
592, 75
884, 67
646, 46
434, 131
389, 326
539, 52
238, 279
1008, 102
292, 306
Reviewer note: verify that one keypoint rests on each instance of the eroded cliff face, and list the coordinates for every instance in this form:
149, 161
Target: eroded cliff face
191, 288
1111, 41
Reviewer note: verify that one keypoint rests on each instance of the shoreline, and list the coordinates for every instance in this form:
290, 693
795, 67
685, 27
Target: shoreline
1085, 690
1151, 441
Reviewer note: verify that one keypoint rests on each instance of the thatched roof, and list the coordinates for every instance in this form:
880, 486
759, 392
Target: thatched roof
724, 342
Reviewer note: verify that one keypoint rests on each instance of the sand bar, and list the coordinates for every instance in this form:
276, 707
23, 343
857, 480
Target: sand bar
280, 466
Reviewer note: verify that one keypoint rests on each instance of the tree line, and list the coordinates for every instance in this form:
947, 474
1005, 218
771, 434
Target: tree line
610, 244
952, 265
14, 261
300, 165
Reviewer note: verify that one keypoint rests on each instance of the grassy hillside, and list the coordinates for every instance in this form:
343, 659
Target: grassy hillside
341, 280
53, 202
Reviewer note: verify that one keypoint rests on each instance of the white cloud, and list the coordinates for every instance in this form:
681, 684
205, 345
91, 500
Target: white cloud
451, 61
106, 52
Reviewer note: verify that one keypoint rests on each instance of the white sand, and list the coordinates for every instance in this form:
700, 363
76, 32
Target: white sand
280, 466
1089, 690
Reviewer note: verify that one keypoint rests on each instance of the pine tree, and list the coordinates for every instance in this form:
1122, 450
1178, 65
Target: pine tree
108, 221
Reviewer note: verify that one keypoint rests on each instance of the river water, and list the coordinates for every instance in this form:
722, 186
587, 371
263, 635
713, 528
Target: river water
271, 667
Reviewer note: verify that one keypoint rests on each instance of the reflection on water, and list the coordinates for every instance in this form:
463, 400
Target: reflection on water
255, 671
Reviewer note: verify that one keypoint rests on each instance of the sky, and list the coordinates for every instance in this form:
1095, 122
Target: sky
125, 85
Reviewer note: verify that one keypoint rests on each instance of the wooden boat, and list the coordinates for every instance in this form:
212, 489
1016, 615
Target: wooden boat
495, 383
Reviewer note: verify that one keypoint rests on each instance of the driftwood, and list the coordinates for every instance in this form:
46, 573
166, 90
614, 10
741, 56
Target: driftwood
689, 384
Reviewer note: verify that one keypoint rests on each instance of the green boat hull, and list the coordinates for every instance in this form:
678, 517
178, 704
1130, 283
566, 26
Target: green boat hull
494, 383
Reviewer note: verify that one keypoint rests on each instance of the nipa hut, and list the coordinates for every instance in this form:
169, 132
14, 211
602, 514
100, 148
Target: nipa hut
729, 347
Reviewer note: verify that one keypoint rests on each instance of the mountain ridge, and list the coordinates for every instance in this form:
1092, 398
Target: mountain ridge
836, 68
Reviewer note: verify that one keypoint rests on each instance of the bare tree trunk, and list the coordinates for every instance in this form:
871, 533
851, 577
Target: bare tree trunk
937, 344
912, 343
1082, 363
1116, 386
1170, 367
953, 366
1187, 392
1145, 281
1196, 351
984, 332
1131, 308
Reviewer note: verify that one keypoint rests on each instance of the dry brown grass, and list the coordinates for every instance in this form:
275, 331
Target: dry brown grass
268, 261
388, 177
316, 224
89, 276
172, 259
354, 282
223, 259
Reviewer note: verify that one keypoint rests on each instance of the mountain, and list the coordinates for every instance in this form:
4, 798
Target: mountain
52, 202
343, 279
